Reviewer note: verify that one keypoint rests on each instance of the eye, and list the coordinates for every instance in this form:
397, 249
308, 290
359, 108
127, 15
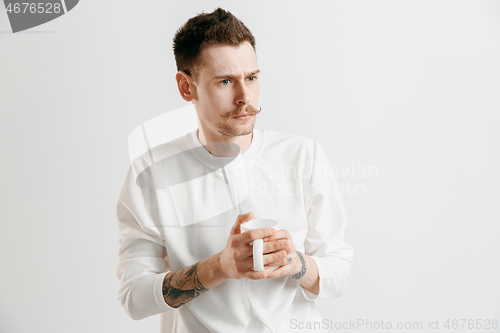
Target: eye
252, 78
224, 82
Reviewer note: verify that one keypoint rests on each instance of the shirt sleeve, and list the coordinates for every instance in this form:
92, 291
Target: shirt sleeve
142, 263
327, 221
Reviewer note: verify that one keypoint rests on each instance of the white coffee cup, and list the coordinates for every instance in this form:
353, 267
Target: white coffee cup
258, 251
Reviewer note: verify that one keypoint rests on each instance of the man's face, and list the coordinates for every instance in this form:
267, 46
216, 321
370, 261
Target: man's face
227, 86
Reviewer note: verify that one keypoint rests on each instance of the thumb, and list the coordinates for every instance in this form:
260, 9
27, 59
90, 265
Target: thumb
236, 229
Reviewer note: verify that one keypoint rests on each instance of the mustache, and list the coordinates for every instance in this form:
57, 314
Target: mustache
240, 110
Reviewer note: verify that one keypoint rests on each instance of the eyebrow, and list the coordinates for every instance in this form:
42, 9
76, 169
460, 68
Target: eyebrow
229, 76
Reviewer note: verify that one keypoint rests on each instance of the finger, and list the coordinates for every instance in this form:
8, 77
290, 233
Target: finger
274, 246
285, 261
274, 258
236, 229
283, 270
260, 233
258, 275
268, 248
280, 234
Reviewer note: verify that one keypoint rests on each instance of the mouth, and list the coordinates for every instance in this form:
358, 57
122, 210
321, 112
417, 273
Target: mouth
244, 116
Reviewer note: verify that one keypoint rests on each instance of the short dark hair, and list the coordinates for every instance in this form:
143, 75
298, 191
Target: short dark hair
217, 28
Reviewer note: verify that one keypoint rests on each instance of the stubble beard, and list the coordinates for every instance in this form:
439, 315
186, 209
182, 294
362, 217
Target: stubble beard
225, 128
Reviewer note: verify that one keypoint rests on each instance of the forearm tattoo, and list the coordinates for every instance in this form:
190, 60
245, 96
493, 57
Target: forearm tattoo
182, 286
303, 269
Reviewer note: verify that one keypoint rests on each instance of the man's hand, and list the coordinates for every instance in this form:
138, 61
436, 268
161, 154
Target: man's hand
236, 259
299, 266
291, 264
236, 262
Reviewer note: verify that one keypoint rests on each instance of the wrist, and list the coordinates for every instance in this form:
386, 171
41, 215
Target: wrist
308, 276
300, 267
219, 267
210, 272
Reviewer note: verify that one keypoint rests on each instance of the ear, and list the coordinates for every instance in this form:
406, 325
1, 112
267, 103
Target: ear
186, 86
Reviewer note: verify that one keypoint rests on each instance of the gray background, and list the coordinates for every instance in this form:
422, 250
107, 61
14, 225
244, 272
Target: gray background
409, 89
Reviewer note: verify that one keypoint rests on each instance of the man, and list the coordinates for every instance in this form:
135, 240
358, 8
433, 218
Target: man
182, 250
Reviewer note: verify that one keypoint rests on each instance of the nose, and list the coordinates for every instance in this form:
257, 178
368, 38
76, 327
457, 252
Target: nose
242, 94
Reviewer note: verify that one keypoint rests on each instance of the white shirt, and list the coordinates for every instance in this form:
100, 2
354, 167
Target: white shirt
177, 207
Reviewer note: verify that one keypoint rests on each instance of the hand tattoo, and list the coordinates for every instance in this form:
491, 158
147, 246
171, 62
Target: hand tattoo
302, 270
182, 286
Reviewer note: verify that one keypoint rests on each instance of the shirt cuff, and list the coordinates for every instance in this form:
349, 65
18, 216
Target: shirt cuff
310, 296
